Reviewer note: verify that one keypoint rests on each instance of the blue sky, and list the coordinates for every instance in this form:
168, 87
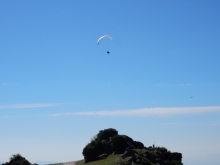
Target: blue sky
159, 84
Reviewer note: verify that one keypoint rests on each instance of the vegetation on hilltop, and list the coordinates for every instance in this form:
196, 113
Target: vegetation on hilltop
108, 142
110, 148
17, 159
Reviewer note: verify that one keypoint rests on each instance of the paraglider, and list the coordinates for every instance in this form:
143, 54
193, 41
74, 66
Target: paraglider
105, 36
108, 36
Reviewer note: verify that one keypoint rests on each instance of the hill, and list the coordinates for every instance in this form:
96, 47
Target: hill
108, 148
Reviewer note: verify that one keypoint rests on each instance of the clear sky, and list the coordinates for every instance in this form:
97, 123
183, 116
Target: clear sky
159, 84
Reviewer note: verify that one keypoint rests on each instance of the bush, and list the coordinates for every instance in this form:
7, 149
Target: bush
17, 160
138, 145
162, 149
119, 144
106, 134
92, 151
99, 144
177, 156
173, 162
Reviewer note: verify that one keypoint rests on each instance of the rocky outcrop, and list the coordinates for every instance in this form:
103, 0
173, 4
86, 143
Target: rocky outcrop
132, 151
147, 156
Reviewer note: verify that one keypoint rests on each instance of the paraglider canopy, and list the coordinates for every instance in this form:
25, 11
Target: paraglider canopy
108, 36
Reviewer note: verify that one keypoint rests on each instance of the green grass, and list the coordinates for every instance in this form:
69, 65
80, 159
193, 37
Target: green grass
110, 160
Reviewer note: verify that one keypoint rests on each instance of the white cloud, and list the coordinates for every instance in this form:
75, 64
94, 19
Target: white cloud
147, 111
21, 106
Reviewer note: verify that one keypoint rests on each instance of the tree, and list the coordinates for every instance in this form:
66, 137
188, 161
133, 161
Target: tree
93, 150
119, 144
107, 133
138, 145
17, 160
99, 144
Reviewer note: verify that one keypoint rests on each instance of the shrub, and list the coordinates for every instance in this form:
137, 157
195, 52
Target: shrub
119, 144
98, 144
173, 162
162, 149
138, 145
107, 133
17, 160
92, 151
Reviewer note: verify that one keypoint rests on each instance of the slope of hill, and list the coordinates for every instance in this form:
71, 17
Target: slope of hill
109, 147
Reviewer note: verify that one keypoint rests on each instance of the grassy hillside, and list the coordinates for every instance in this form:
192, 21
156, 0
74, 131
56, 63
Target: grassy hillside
128, 151
110, 160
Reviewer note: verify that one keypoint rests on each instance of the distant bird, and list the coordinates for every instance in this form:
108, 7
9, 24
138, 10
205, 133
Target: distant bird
191, 97
108, 52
